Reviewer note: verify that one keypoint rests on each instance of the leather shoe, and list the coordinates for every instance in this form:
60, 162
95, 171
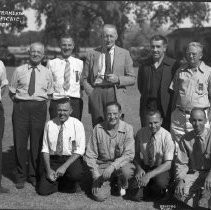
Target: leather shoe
4, 190
33, 183
19, 185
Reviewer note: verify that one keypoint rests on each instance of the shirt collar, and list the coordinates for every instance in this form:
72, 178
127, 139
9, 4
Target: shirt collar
156, 134
38, 67
56, 120
64, 59
110, 51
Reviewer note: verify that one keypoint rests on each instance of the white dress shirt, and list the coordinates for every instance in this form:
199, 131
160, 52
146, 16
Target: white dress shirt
57, 67
3, 77
102, 65
73, 137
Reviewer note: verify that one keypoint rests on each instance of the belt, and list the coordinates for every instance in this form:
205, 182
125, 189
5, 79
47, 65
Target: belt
20, 100
104, 86
56, 157
189, 111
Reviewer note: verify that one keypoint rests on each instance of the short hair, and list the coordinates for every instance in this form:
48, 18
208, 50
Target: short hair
115, 103
195, 44
198, 109
37, 43
67, 36
64, 101
153, 112
159, 37
109, 26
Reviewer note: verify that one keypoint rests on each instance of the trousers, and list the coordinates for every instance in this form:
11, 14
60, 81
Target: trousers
28, 123
74, 173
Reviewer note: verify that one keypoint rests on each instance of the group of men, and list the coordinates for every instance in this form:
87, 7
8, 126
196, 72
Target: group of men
172, 96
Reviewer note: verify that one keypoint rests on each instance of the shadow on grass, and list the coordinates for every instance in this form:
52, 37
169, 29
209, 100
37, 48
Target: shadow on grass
8, 164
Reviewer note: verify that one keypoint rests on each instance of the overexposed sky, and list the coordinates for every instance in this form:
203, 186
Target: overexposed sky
32, 25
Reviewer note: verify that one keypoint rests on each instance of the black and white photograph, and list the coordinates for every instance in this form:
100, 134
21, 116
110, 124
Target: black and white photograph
105, 104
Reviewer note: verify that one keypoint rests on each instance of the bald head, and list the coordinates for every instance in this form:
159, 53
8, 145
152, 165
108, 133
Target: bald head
198, 120
36, 53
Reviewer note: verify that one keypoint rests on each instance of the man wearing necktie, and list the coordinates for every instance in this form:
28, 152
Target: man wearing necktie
192, 88
31, 86
193, 163
108, 70
62, 149
66, 73
153, 159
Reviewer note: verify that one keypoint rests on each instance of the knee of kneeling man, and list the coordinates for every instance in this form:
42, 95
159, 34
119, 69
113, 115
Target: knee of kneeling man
101, 196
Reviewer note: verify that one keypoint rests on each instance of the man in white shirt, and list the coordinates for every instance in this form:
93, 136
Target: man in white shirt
63, 147
66, 77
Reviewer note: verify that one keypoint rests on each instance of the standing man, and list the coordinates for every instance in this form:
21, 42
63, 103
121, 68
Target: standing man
63, 147
3, 84
192, 88
193, 163
108, 70
153, 159
30, 88
109, 153
154, 77
66, 78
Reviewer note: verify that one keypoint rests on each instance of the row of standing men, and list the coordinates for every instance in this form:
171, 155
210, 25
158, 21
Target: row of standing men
106, 73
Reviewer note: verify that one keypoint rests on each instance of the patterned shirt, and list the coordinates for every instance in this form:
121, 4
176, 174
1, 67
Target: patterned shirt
73, 137
103, 148
163, 146
194, 153
192, 87
21, 79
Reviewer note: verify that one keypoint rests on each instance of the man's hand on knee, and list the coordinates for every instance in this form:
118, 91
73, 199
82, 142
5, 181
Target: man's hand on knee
207, 183
51, 175
180, 189
107, 172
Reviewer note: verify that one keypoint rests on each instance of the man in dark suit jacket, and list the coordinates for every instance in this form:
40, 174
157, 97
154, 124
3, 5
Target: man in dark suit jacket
107, 71
154, 77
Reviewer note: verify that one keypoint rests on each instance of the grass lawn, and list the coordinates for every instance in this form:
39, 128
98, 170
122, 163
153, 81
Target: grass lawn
28, 199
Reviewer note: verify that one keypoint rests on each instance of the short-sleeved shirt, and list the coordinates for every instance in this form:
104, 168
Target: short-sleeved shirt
3, 77
191, 155
163, 146
73, 137
57, 67
21, 78
192, 87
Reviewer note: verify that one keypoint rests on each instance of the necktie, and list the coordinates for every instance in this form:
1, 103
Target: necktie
59, 146
150, 150
31, 89
66, 84
107, 63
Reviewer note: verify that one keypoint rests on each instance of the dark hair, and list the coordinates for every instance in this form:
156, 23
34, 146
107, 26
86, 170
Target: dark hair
153, 112
66, 36
159, 37
114, 103
198, 109
64, 101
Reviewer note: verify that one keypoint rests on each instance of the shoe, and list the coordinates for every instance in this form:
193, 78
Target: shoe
4, 190
20, 185
32, 182
77, 188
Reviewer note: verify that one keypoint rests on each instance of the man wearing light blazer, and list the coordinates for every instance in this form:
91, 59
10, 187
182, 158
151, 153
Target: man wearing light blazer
108, 70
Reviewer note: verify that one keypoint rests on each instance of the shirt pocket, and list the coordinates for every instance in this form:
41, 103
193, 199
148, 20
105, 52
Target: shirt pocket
200, 87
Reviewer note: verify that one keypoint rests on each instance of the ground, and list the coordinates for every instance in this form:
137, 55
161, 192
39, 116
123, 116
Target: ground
28, 199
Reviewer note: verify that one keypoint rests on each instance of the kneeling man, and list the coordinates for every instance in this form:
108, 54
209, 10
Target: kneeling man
153, 160
63, 146
109, 154
193, 163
